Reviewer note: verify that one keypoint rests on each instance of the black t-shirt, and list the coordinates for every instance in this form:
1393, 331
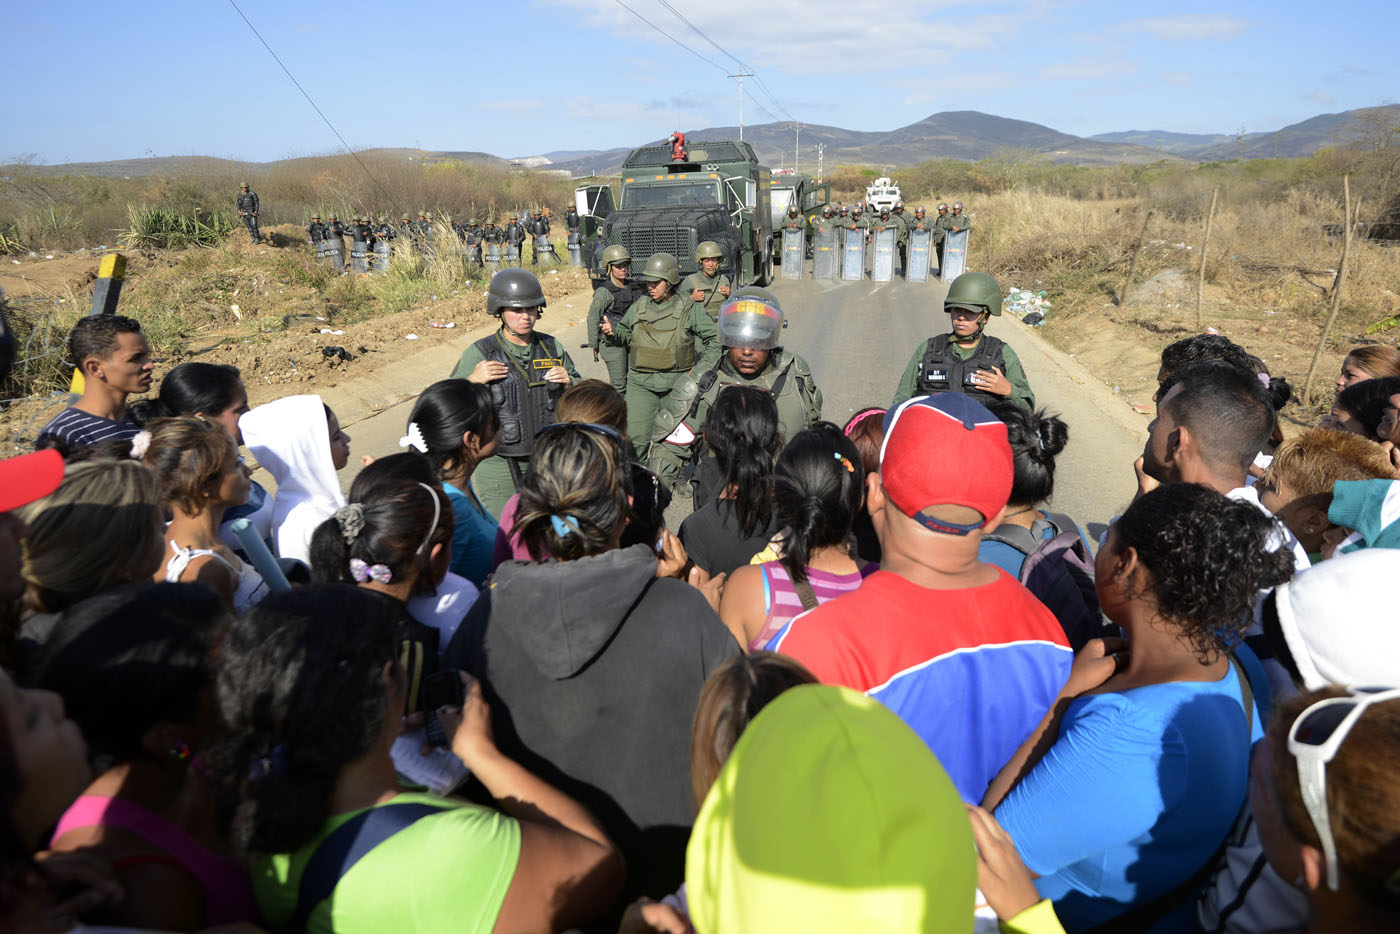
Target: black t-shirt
713, 540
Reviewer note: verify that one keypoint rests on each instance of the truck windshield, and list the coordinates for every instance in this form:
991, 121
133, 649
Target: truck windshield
662, 196
782, 197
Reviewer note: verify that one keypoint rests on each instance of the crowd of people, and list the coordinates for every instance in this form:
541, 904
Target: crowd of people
871, 682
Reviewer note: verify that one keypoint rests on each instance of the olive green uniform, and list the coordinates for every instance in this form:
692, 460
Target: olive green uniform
649, 377
711, 287
675, 435
825, 224
957, 222
614, 356
1015, 374
493, 480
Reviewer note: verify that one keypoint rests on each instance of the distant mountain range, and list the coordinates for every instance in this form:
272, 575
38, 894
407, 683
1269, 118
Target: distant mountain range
961, 134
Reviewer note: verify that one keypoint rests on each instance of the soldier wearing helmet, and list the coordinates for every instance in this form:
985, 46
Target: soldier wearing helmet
665, 332
826, 223
941, 225
539, 227
315, 231
966, 360
472, 232
958, 221
794, 219
708, 287
248, 210
526, 370
901, 235
614, 294
750, 331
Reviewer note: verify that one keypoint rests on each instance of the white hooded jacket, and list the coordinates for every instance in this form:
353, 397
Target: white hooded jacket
290, 438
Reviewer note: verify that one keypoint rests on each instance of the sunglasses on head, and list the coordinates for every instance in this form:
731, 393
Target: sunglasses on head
1313, 741
604, 430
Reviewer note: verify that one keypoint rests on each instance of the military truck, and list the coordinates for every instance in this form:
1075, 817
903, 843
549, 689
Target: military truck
788, 187
718, 192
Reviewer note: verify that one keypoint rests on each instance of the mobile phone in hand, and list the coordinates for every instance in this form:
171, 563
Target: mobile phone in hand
443, 689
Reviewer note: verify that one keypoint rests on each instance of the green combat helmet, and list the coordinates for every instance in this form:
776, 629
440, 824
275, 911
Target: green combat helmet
662, 266
514, 288
708, 249
975, 290
751, 318
616, 255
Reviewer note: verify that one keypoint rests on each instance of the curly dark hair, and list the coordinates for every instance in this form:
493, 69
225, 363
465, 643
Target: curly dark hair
1199, 348
1368, 400
1209, 556
1036, 438
301, 689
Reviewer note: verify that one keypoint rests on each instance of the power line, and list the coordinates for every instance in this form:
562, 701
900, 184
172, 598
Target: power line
323, 117
678, 42
696, 29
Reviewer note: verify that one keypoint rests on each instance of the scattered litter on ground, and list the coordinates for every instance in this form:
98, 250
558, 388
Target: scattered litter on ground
441, 325
1027, 306
410, 337
329, 331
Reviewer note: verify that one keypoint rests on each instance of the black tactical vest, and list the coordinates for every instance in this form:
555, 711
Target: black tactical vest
316, 231
622, 297
524, 400
942, 370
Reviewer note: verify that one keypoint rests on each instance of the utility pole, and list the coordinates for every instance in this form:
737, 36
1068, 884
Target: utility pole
819, 147
743, 73
797, 147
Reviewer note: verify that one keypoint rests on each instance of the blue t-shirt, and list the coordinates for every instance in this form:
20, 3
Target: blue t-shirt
473, 536
1134, 797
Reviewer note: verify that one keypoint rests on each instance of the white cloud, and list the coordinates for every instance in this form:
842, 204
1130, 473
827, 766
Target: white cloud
1193, 27
529, 104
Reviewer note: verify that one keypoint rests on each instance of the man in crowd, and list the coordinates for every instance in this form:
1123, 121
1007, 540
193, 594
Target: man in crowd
964, 654
115, 361
248, 210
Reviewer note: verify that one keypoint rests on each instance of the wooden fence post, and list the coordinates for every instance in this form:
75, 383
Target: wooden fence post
1336, 289
1205, 248
1132, 263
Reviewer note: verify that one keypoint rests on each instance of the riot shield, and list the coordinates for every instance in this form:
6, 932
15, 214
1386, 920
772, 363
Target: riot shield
335, 246
954, 255
853, 255
794, 248
381, 256
882, 262
513, 254
824, 255
920, 242
493, 255
544, 251
575, 249
359, 256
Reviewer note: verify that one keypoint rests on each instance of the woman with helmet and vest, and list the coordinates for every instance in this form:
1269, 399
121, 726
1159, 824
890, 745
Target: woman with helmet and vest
966, 360
750, 331
707, 287
526, 370
614, 295
664, 332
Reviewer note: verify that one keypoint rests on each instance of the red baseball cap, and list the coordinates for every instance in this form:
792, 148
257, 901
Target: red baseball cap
945, 449
29, 477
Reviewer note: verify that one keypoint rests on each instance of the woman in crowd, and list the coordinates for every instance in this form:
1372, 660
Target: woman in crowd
134, 669
310, 686
818, 489
1361, 407
1036, 440
454, 425
590, 659
866, 429
298, 440
1373, 361
742, 434
202, 476
1129, 786
215, 391
104, 526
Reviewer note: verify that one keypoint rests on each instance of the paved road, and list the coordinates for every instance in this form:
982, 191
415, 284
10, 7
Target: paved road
858, 336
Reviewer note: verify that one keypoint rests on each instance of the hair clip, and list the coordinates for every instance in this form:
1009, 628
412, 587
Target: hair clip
140, 443
845, 461
414, 439
351, 519
563, 526
273, 765
363, 571
1264, 378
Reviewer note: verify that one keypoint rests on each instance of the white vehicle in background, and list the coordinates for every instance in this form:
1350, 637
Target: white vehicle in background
882, 193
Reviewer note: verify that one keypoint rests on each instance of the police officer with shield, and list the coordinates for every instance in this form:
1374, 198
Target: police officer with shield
967, 360
248, 210
571, 221
941, 225
614, 295
664, 332
750, 331
315, 231
827, 223
708, 287
902, 237
526, 370
539, 227
473, 233
515, 238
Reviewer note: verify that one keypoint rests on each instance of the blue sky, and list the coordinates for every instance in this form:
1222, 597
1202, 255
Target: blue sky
97, 81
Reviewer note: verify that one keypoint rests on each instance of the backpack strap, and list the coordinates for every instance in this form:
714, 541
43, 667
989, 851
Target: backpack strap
1144, 916
1017, 536
347, 845
805, 594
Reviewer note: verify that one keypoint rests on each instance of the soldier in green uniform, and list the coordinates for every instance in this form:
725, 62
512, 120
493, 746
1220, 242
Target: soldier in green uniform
958, 220
750, 326
858, 220
614, 296
967, 360
901, 237
526, 370
827, 223
665, 332
941, 225
708, 287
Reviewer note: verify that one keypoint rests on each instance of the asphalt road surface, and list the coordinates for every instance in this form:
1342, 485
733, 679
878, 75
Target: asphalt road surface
857, 337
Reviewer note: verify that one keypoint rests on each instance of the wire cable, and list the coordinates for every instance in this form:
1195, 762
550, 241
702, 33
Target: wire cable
323, 117
710, 62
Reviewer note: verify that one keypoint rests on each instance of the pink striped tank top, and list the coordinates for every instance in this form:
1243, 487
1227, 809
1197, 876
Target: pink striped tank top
781, 601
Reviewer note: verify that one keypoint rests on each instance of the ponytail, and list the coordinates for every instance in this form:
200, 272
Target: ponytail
742, 431
818, 487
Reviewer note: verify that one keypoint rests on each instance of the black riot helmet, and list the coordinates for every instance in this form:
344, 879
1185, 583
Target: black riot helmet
514, 288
